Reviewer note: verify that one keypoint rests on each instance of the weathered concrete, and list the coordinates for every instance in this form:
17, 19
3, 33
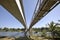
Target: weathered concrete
43, 10
11, 6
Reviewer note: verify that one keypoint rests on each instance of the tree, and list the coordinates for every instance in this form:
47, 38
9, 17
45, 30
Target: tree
0, 28
5, 29
52, 27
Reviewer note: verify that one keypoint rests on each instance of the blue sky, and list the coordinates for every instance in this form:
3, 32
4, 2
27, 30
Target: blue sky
7, 20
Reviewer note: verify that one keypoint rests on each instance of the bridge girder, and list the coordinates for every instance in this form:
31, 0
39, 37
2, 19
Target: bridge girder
11, 6
43, 10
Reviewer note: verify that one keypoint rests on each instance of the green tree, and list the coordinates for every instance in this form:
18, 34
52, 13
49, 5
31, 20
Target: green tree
52, 27
5, 29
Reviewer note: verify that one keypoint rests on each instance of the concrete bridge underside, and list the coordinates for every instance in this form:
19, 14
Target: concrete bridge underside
44, 8
11, 6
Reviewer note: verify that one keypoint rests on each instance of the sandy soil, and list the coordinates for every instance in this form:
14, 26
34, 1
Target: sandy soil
7, 38
24, 38
38, 38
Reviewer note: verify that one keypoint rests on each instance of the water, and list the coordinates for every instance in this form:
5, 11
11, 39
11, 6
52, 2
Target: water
12, 34
17, 34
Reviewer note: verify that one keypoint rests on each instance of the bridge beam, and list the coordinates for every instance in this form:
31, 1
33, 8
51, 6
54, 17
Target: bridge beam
43, 10
11, 6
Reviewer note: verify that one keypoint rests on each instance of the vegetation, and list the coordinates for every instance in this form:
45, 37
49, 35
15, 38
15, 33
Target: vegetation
53, 27
23, 38
5, 29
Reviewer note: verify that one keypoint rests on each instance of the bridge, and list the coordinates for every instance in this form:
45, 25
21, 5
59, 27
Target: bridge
43, 7
16, 10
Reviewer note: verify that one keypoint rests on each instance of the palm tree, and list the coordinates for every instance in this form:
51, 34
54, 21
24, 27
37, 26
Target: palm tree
52, 27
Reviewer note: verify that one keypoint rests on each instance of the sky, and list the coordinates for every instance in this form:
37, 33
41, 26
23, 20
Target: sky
7, 20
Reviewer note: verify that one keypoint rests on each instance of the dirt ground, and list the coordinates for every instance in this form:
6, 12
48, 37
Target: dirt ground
7, 38
38, 38
24, 38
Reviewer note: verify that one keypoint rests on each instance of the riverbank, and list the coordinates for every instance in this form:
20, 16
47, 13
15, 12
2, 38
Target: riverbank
11, 38
26, 38
23, 38
7, 38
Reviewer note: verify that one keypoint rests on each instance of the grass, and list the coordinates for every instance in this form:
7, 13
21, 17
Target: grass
23, 38
31, 38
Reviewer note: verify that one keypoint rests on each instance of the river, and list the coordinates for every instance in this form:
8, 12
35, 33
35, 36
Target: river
12, 34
